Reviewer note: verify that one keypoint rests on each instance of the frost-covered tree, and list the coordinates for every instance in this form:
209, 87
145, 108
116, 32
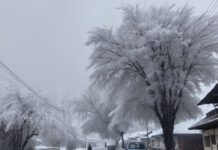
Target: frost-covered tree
118, 122
59, 130
98, 118
157, 58
19, 119
52, 135
24, 115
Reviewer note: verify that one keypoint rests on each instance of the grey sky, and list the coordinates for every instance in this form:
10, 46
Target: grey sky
43, 41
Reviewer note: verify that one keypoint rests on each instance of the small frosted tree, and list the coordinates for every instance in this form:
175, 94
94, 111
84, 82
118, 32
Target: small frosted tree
23, 115
19, 119
57, 127
98, 118
157, 58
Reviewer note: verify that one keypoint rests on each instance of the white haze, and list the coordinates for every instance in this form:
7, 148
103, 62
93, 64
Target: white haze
44, 41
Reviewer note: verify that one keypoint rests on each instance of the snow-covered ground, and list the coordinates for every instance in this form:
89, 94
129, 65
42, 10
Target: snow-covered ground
94, 148
43, 147
80, 148
99, 148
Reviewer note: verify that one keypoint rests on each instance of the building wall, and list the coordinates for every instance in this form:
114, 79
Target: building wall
157, 143
210, 138
190, 142
182, 142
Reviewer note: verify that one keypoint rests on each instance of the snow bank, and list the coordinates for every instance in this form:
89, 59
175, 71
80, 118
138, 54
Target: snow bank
41, 147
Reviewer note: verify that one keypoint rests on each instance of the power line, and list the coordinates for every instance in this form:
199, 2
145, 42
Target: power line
212, 6
16, 77
211, 2
213, 9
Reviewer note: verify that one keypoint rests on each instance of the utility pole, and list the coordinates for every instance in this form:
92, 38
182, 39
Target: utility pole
147, 141
85, 143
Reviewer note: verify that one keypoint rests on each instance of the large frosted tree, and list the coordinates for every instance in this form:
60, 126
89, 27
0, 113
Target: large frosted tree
157, 59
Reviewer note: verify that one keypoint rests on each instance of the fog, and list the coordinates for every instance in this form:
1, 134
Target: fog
43, 41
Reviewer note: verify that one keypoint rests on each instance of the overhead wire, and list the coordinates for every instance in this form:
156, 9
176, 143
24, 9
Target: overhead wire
209, 6
17, 78
212, 7
213, 11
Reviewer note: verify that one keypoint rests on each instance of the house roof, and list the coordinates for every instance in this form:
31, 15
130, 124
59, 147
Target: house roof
209, 122
181, 128
211, 97
135, 135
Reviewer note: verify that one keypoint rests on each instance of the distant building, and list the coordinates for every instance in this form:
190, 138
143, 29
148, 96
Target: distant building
209, 124
184, 139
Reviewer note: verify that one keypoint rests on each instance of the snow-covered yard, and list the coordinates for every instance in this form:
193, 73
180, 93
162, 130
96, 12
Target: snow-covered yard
42, 147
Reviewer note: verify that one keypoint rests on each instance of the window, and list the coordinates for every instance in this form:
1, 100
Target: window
158, 141
207, 141
152, 143
213, 139
217, 139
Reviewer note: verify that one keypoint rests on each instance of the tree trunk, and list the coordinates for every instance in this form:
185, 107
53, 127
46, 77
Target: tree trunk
147, 140
168, 136
166, 113
122, 138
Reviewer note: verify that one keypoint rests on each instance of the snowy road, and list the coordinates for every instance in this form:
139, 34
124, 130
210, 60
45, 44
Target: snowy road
42, 147
94, 148
98, 148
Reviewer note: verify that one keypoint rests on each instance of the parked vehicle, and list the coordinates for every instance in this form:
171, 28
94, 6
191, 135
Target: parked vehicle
135, 146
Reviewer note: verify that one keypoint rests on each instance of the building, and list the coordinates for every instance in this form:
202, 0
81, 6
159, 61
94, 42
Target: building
184, 138
209, 124
135, 136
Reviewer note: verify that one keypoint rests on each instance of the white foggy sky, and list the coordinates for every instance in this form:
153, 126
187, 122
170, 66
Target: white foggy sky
43, 41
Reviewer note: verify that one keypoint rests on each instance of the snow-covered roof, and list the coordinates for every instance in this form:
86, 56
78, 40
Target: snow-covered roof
211, 97
210, 121
181, 128
135, 135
